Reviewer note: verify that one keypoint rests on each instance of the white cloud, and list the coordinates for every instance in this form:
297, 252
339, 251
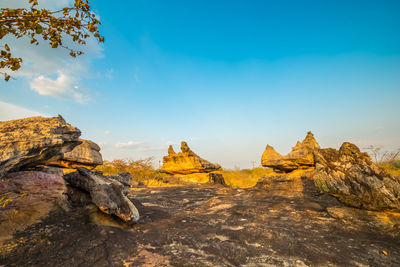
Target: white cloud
42, 62
51, 4
107, 132
12, 112
129, 144
63, 87
142, 146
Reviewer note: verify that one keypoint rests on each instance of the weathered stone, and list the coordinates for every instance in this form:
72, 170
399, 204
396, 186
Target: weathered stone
124, 178
87, 155
216, 178
207, 225
300, 157
282, 185
354, 179
27, 197
386, 221
107, 194
33, 141
186, 162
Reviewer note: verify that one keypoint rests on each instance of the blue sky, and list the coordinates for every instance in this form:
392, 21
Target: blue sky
228, 77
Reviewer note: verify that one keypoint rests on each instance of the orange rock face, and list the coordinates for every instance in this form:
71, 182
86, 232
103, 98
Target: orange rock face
301, 156
186, 162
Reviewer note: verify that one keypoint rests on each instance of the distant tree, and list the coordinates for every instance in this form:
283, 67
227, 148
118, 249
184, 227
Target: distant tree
78, 22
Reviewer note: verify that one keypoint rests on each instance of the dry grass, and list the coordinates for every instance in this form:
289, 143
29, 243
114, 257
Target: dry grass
392, 168
141, 170
245, 178
388, 160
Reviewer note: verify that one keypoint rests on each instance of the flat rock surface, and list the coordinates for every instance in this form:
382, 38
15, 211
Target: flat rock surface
208, 225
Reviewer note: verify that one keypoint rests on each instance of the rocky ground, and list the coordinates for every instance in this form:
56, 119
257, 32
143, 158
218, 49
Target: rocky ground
282, 222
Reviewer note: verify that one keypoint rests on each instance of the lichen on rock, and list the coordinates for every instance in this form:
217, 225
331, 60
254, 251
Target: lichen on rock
33, 141
354, 179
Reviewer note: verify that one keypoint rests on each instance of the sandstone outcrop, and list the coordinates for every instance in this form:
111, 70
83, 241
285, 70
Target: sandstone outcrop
33, 141
27, 197
354, 179
300, 157
186, 162
87, 155
106, 193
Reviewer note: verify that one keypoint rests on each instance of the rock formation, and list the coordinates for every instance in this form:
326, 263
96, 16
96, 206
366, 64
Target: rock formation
28, 197
354, 179
106, 193
300, 157
186, 162
33, 141
190, 167
87, 155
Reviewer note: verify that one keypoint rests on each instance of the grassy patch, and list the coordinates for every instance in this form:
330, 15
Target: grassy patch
245, 178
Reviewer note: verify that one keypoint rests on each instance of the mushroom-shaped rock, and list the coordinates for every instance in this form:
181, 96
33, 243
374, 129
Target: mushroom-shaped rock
300, 157
87, 155
106, 193
33, 141
186, 162
354, 179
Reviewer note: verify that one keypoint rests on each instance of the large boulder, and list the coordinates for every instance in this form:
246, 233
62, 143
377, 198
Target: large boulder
33, 141
354, 179
300, 157
27, 197
186, 162
87, 155
106, 193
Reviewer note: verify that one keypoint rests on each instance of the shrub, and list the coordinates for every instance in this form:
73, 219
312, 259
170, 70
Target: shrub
388, 160
140, 170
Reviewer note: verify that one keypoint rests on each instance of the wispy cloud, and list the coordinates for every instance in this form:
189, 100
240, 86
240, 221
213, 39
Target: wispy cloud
129, 144
63, 87
12, 112
142, 146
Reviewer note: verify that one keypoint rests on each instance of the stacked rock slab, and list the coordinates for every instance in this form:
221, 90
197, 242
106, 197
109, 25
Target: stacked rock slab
300, 157
354, 179
106, 193
33, 141
189, 165
87, 155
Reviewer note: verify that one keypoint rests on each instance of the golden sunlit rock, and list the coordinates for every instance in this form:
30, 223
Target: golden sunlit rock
34, 141
186, 162
301, 156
